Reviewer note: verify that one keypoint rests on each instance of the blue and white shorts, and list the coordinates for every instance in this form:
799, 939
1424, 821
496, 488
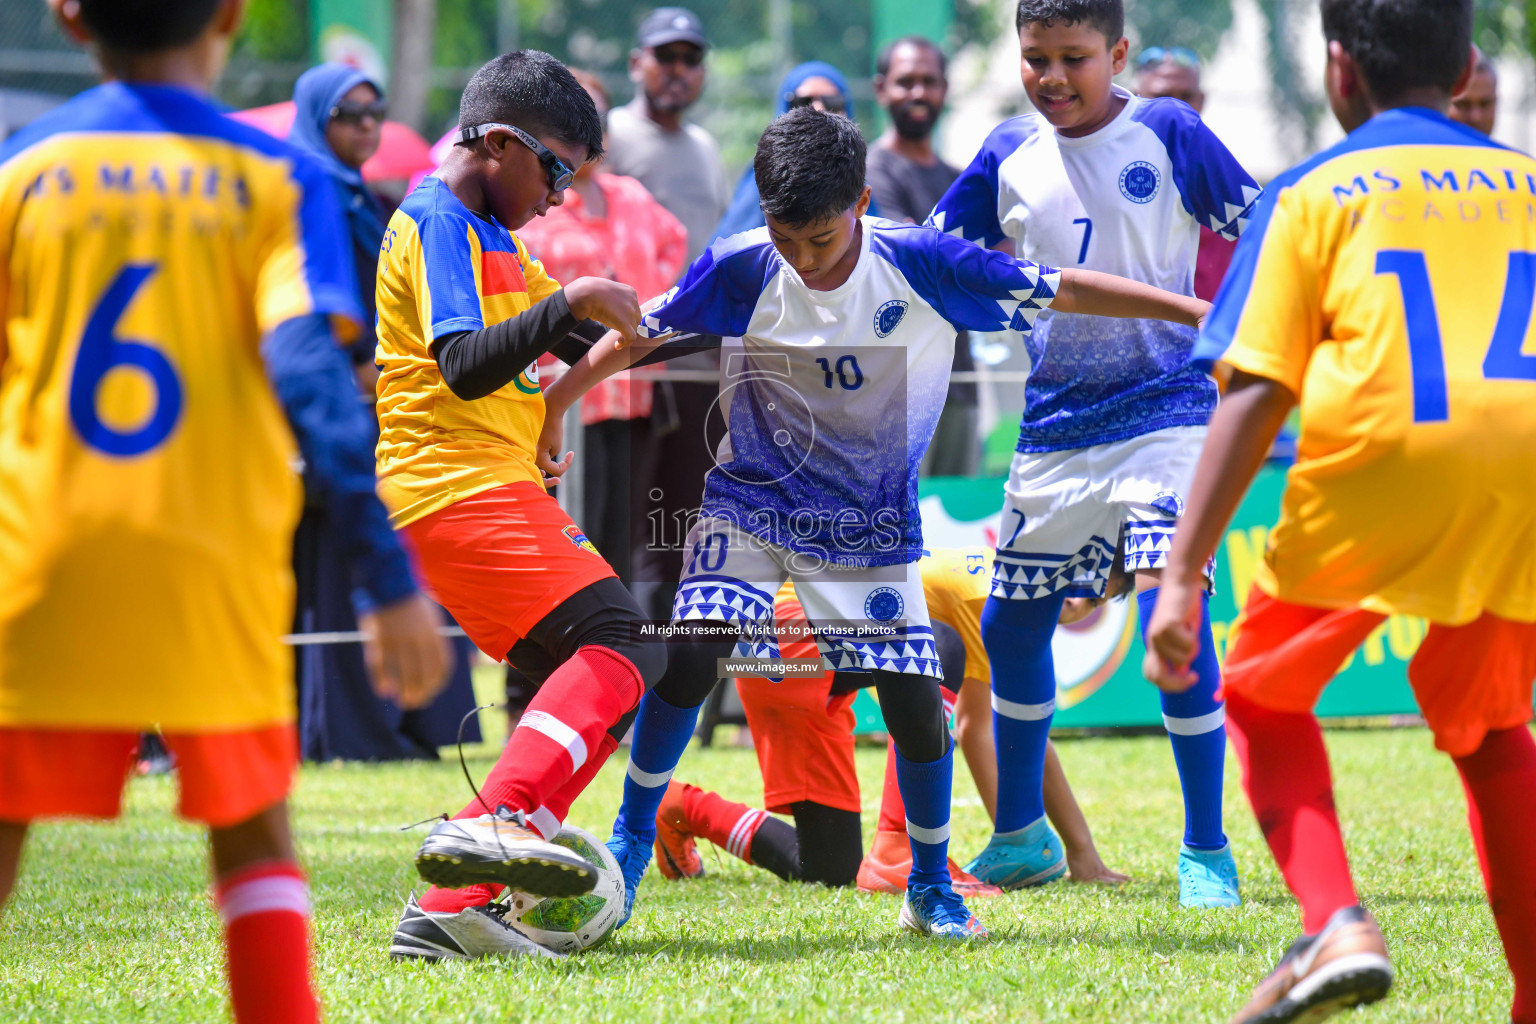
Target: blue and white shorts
1064, 512
865, 618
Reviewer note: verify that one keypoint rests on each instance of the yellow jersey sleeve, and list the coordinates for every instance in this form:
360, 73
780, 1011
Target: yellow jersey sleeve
1282, 318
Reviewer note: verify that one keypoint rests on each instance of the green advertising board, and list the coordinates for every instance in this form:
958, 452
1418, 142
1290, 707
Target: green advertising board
1098, 661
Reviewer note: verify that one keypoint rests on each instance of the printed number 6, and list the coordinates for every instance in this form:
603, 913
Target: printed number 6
100, 352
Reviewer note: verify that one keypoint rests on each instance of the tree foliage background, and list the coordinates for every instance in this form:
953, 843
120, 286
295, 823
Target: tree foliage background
745, 63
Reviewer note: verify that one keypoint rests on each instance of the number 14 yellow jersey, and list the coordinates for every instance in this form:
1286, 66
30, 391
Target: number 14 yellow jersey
1389, 283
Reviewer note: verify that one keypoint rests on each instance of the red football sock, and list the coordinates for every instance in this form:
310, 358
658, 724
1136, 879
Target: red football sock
727, 824
567, 719
558, 806
451, 901
893, 813
1499, 778
266, 931
1286, 776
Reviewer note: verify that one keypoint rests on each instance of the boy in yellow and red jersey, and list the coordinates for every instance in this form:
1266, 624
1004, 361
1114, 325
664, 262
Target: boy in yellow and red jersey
154, 255
1387, 285
464, 312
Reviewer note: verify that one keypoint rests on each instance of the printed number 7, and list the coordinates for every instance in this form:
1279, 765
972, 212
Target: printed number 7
1087, 234
1426, 356
1017, 529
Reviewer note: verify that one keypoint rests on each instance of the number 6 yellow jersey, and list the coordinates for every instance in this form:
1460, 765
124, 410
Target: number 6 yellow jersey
1389, 283
147, 484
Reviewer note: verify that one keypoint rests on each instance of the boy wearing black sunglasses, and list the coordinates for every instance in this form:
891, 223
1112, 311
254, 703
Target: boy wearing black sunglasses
463, 312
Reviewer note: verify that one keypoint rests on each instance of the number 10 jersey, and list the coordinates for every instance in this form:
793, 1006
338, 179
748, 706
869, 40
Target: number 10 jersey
832, 397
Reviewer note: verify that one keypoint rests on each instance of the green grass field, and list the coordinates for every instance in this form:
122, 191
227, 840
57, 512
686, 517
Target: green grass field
113, 923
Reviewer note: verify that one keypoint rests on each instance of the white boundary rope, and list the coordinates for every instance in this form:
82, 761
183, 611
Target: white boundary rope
349, 637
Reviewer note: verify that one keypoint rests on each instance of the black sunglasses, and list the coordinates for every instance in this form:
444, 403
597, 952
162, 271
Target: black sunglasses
353, 113
688, 56
833, 104
560, 176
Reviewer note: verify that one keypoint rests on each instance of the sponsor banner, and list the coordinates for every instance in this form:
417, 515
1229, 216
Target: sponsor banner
1098, 660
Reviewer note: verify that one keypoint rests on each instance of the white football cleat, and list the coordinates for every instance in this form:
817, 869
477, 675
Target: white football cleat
467, 935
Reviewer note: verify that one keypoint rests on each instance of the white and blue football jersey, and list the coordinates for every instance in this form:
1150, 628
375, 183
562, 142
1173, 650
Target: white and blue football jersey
831, 397
1127, 200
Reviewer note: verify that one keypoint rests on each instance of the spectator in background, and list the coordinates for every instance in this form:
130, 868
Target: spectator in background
1174, 71
1477, 105
339, 119
812, 84
906, 178
610, 226
678, 163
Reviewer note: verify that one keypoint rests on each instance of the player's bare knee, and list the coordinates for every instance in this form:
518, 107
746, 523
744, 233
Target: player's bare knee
264, 836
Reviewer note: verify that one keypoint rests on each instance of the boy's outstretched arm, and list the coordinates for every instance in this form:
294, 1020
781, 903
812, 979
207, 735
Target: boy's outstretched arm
1240, 435
1088, 291
606, 357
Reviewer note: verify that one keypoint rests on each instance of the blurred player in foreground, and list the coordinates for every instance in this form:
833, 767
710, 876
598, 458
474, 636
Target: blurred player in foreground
802, 730
1387, 286
153, 255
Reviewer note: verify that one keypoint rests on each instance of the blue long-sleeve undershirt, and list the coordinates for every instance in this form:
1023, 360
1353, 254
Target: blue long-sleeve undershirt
312, 376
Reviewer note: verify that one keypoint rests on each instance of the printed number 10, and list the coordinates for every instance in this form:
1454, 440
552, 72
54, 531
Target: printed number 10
1426, 356
850, 381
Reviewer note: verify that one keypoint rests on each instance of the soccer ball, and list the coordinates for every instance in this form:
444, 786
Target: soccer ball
571, 924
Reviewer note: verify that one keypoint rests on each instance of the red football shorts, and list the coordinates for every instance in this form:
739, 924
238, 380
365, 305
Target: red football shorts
1469, 680
803, 735
225, 777
502, 559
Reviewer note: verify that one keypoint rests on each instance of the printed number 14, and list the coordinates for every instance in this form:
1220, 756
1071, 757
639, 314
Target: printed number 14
1426, 356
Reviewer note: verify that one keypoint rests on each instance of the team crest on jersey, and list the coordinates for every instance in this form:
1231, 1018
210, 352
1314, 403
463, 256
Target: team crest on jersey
1139, 181
884, 604
575, 536
888, 316
1169, 503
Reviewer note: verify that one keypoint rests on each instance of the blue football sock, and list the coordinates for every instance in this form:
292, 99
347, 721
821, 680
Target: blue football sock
1197, 728
925, 789
1018, 635
661, 735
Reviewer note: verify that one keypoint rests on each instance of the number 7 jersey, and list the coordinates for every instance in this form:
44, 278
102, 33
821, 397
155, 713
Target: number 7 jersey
147, 484
1388, 282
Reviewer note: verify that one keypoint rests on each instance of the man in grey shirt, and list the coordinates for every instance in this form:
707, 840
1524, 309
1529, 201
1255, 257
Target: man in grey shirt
678, 162
907, 179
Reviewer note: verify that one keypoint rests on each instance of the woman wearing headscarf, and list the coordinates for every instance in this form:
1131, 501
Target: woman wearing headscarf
813, 84
339, 119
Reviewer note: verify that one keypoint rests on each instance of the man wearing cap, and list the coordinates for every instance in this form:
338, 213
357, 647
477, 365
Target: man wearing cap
677, 161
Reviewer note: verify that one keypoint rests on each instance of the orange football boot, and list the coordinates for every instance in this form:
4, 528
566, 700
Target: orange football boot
677, 855
889, 863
